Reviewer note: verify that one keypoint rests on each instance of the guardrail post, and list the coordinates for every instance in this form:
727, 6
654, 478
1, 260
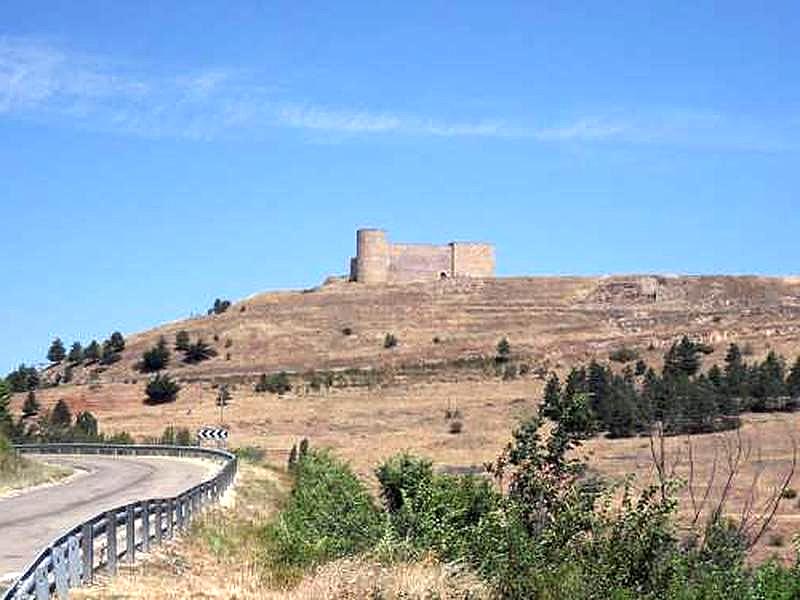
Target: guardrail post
111, 542
130, 534
41, 584
187, 509
87, 549
74, 561
58, 560
170, 515
158, 523
145, 526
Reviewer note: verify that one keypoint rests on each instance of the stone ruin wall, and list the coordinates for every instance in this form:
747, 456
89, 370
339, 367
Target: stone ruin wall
418, 262
378, 261
472, 260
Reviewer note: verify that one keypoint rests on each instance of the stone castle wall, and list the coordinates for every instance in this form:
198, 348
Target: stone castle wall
472, 260
378, 261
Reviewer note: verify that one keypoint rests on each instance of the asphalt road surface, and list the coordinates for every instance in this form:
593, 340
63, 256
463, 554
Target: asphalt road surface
31, 520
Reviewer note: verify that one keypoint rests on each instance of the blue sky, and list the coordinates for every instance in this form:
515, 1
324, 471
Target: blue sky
154, 156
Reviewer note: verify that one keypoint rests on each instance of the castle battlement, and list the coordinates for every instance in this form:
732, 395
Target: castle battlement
379, 261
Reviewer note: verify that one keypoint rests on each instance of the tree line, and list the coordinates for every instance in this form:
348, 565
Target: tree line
682, 397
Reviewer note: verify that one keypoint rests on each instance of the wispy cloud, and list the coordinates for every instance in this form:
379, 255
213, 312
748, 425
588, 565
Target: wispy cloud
42, 81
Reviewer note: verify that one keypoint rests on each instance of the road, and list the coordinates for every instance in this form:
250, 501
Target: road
31, 520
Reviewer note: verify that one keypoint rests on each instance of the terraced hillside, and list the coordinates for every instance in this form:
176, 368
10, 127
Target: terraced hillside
551, 319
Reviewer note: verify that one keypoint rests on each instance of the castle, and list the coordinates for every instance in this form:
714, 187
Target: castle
378, 261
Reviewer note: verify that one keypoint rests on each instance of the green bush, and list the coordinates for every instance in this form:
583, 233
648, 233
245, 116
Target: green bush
161, 389
390, 341
402, 476
198, 352
328, 515
156, 358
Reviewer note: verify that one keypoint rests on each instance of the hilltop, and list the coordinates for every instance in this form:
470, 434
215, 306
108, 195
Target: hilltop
549, 321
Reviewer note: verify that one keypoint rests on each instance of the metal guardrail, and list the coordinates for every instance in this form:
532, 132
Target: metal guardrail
72, 559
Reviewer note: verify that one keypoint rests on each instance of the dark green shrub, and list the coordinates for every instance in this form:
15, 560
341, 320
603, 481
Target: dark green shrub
117, 342
182, 341
328, 515
219, 307
161, 389
155, 359
503, 351
198, 352
390, 341
61, 415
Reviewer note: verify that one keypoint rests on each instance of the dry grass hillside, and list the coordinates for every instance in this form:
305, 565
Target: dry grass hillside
401, 401
548, 319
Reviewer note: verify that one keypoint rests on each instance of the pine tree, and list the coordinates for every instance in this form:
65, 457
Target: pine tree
651, 401
682, 358
576, 382
735, 373
182, 341
108, 355
23, 379
61, 415
156, 358
622, 414
57, 352
701, 410
793, 381
75, 353
767, 382
551, 403
31, 406
599, 388
93, 352
117, 342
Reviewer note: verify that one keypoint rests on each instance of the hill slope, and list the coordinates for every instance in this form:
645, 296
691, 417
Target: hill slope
546, 318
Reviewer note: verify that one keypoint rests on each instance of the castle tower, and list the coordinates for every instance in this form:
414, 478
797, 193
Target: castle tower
372, 258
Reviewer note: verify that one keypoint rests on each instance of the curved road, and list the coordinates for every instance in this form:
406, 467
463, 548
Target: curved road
31, 520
